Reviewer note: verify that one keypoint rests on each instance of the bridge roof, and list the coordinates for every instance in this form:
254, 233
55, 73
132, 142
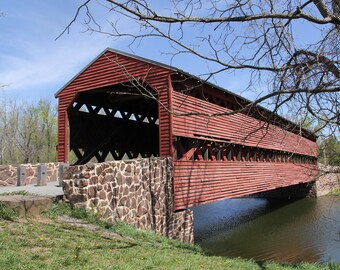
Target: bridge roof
241, 99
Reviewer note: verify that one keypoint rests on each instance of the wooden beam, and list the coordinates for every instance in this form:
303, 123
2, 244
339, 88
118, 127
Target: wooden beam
189, 153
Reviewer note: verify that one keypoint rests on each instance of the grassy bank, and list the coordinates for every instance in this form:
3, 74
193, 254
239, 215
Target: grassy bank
51, 244
335, 192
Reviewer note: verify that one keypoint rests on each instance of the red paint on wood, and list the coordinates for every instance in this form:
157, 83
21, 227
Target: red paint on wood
237, 128
201, 181
112, 68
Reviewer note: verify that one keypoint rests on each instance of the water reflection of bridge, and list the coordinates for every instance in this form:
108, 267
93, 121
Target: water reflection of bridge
123, 106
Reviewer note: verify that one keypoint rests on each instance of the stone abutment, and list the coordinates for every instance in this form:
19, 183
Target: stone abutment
138, 192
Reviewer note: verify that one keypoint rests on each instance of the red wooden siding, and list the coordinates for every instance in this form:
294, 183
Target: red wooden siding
237, 128
165, 136
198, 182
110, 69
62, 135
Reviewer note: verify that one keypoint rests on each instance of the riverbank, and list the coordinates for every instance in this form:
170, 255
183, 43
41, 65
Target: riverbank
52, 242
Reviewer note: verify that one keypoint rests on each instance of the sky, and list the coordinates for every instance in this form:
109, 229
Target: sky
34, 65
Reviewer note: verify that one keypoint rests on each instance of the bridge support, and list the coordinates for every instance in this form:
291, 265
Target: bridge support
138, 192
303, 190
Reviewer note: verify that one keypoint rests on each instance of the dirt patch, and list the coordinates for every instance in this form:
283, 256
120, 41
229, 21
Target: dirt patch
91, 227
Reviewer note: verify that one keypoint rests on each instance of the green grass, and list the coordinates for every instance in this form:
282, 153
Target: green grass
47, 244
20, 192
335, 192
7, 213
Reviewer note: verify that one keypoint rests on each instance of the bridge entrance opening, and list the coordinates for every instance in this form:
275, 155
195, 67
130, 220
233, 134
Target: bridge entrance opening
114, 123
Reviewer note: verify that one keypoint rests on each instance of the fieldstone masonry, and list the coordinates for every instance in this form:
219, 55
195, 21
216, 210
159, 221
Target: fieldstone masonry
329, 179
138, 192
8, 173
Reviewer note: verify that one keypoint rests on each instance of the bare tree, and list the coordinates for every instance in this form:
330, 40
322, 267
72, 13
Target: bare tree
47, 130
37, 132
27, 132
290, 48
9, 122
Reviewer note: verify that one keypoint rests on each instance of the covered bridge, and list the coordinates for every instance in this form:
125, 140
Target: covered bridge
122, 106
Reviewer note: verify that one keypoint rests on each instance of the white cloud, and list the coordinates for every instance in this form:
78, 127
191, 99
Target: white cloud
32, 62
49, 67
48, 64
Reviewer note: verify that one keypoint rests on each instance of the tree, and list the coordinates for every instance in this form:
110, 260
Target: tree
328, 147
28, 132
9, 122
329, 151
289, 48
48, 130
37, 132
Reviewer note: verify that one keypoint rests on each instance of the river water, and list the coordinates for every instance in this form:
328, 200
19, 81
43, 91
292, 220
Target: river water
283, 231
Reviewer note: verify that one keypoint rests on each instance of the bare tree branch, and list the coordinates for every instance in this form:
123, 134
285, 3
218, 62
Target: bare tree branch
261, 37
246, 18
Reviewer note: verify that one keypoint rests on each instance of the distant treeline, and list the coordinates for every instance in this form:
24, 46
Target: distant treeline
329, 151
28, 132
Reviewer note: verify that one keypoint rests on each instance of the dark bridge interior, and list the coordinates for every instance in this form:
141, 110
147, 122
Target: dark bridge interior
115, 122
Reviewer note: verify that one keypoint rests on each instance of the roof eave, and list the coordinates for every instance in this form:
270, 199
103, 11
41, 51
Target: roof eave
121, 53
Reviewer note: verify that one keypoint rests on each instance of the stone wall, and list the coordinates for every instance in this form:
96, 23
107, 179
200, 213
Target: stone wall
8, 173
138, 192
329, 179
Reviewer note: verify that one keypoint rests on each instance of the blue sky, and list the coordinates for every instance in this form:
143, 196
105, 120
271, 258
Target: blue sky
34, 65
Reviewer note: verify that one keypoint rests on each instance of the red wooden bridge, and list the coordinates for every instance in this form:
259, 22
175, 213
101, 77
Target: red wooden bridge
123, 106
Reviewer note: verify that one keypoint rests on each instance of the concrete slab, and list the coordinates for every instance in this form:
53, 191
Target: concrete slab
51, 190
27, 206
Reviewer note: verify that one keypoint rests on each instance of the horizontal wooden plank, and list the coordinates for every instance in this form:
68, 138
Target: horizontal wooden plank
237, 128
198, 182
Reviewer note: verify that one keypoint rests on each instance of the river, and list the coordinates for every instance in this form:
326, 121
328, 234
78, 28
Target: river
278, 230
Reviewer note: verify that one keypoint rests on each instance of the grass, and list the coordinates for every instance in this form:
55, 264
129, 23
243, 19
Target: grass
20, 192
47, 244
6, 213
335, 192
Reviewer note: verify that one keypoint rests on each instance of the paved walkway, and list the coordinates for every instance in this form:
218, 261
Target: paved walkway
50, 190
